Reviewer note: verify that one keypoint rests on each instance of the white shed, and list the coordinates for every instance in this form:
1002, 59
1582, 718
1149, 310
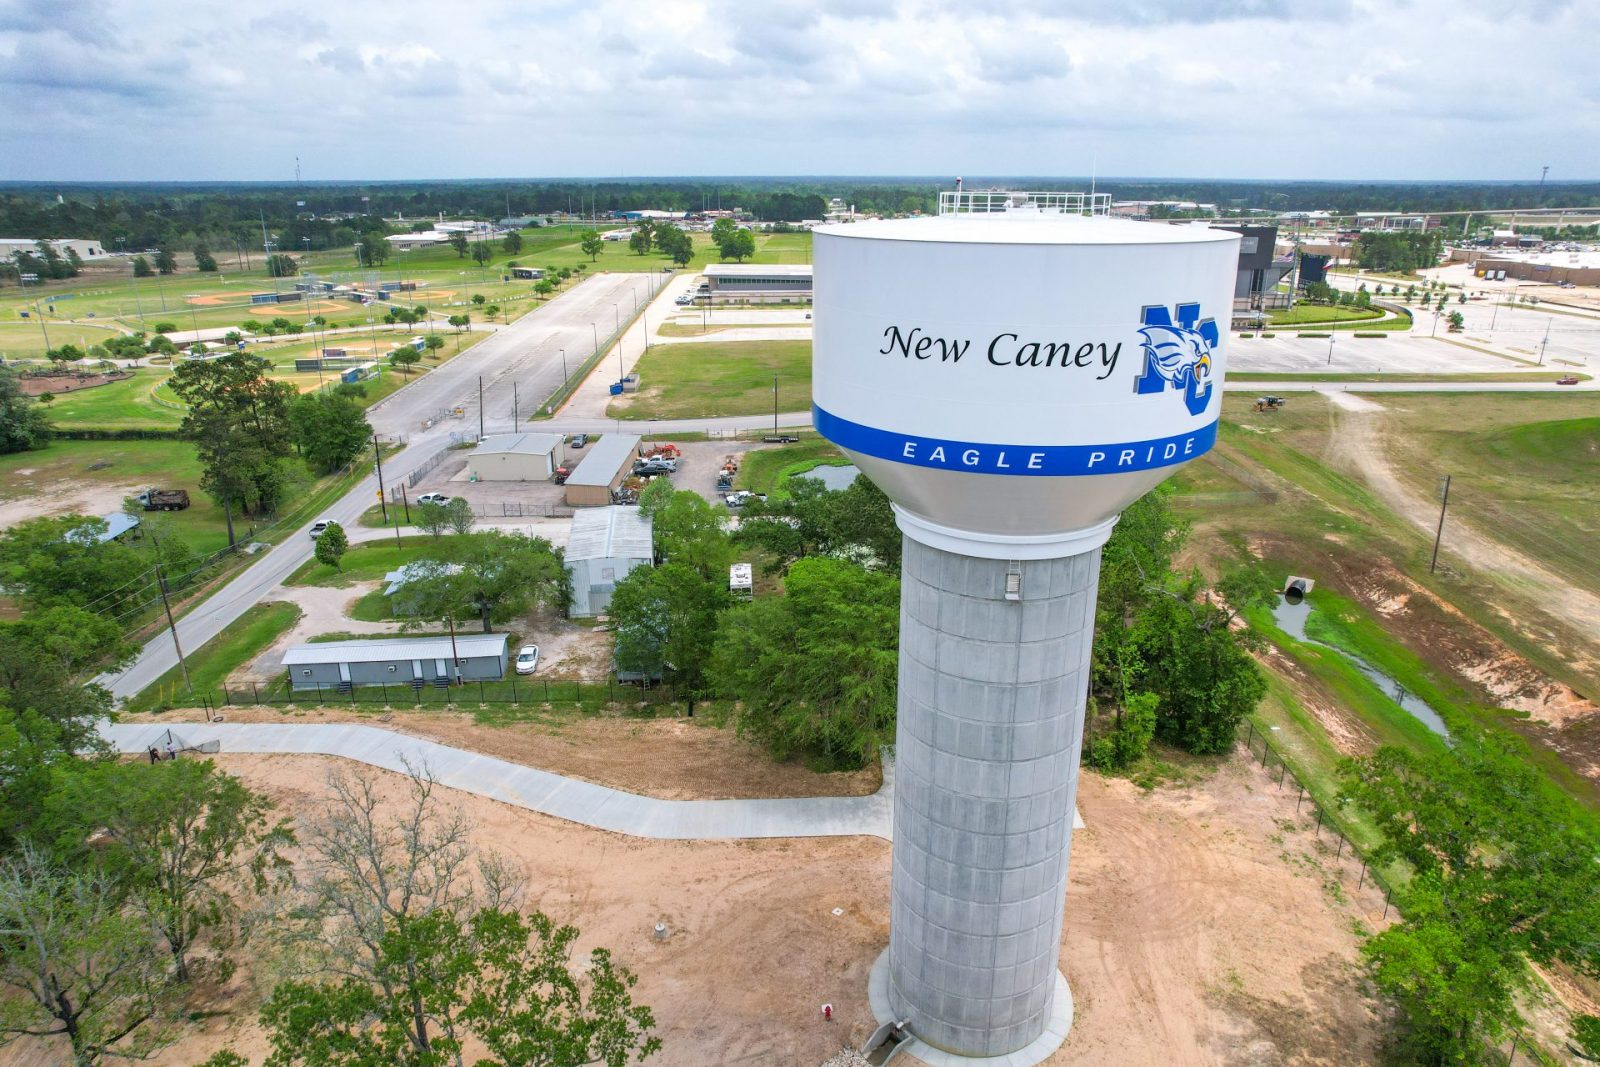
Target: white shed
606, 545
517, 457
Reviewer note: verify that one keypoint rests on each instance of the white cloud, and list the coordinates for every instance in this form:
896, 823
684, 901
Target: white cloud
1225, 88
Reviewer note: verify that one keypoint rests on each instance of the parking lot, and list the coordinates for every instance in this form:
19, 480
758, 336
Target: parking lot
491, 500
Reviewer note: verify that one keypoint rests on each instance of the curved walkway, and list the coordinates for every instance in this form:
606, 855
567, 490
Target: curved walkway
526, 787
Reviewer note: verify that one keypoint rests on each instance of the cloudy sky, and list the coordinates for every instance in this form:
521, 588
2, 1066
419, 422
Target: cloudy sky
207, 89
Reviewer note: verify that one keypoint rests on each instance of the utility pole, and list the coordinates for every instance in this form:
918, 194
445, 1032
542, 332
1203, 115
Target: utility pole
377, 454
480, 407
455, 657
183, 665
1444, 502
405, 503
1545, 341
514, 419
563, 366
774, 405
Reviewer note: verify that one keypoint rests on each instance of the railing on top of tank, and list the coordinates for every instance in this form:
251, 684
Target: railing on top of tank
998, 201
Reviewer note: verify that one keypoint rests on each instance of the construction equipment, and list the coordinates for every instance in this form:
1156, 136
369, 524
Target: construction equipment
1270, 403
164, 499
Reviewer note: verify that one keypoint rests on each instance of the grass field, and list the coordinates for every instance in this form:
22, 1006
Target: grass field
1276, 491
733, 378
125, 405
763, 470
209, 666
367, 562
1302, 314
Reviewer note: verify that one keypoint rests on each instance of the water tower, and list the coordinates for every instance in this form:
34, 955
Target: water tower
1012, 372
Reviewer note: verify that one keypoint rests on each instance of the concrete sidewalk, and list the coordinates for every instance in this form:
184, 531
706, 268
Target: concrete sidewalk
525, 787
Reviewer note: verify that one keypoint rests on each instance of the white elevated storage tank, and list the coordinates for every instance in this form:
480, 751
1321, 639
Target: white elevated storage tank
1012, 373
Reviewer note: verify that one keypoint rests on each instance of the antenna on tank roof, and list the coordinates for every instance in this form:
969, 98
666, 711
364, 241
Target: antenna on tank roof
1094, 169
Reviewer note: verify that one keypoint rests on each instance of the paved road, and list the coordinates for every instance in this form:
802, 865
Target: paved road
526, 787
526, 355
525, 351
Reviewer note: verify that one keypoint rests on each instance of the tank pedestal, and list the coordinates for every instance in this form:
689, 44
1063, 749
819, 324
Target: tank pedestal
994, 662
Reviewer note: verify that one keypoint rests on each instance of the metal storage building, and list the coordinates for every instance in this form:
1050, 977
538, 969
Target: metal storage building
608, 462
517, 457
339, 665
605, 546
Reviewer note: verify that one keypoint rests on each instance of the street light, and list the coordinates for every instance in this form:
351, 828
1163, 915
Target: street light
1330, 349
563, 365
596, 330
617, 316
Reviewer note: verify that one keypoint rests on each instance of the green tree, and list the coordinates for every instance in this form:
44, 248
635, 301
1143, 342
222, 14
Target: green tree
544, 287
815, 669
331, 546
239, 421
479, 299
142, 268
459, 516
591, 243
433, 343
47, 719
1503, 873
373, 251
77, 963
512, 243
1198, 665
492, 574
482, 253
405, 357
666, 617
66, 560
459, 242
185, 838
23, 425
166, 262
433, 519
460, 322
204, 261
282, 266
639, 242
742, 247
493, 311
330, 430
1128, 737
675, 243
688, 530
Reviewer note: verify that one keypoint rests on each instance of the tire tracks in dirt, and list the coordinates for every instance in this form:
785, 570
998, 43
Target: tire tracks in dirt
1361, 442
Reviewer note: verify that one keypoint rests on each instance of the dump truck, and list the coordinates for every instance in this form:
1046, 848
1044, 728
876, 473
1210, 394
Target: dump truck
164, 499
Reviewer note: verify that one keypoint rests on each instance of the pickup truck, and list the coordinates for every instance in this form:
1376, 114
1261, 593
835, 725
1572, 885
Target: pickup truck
433, 498
164, 499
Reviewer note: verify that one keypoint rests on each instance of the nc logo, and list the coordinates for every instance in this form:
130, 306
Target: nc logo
1178, 355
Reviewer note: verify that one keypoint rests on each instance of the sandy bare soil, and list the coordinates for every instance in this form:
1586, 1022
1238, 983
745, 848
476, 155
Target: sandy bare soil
66, 499
1201, 929
674, 759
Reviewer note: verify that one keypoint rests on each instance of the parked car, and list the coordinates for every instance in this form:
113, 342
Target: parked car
742, 497
527, 659
579, 440
1571, 379
646, 470
320, 527
433, 498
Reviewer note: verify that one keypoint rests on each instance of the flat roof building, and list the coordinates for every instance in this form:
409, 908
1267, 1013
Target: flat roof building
338, 666
758, 282
607, 462
605, 546
86, 248
517, 457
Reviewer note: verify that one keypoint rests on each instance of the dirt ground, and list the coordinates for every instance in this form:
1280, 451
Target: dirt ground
1203, 927
65, 383
64, 498
674, 759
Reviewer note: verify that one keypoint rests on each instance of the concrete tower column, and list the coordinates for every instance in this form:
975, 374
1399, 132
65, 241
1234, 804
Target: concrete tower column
994, 668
